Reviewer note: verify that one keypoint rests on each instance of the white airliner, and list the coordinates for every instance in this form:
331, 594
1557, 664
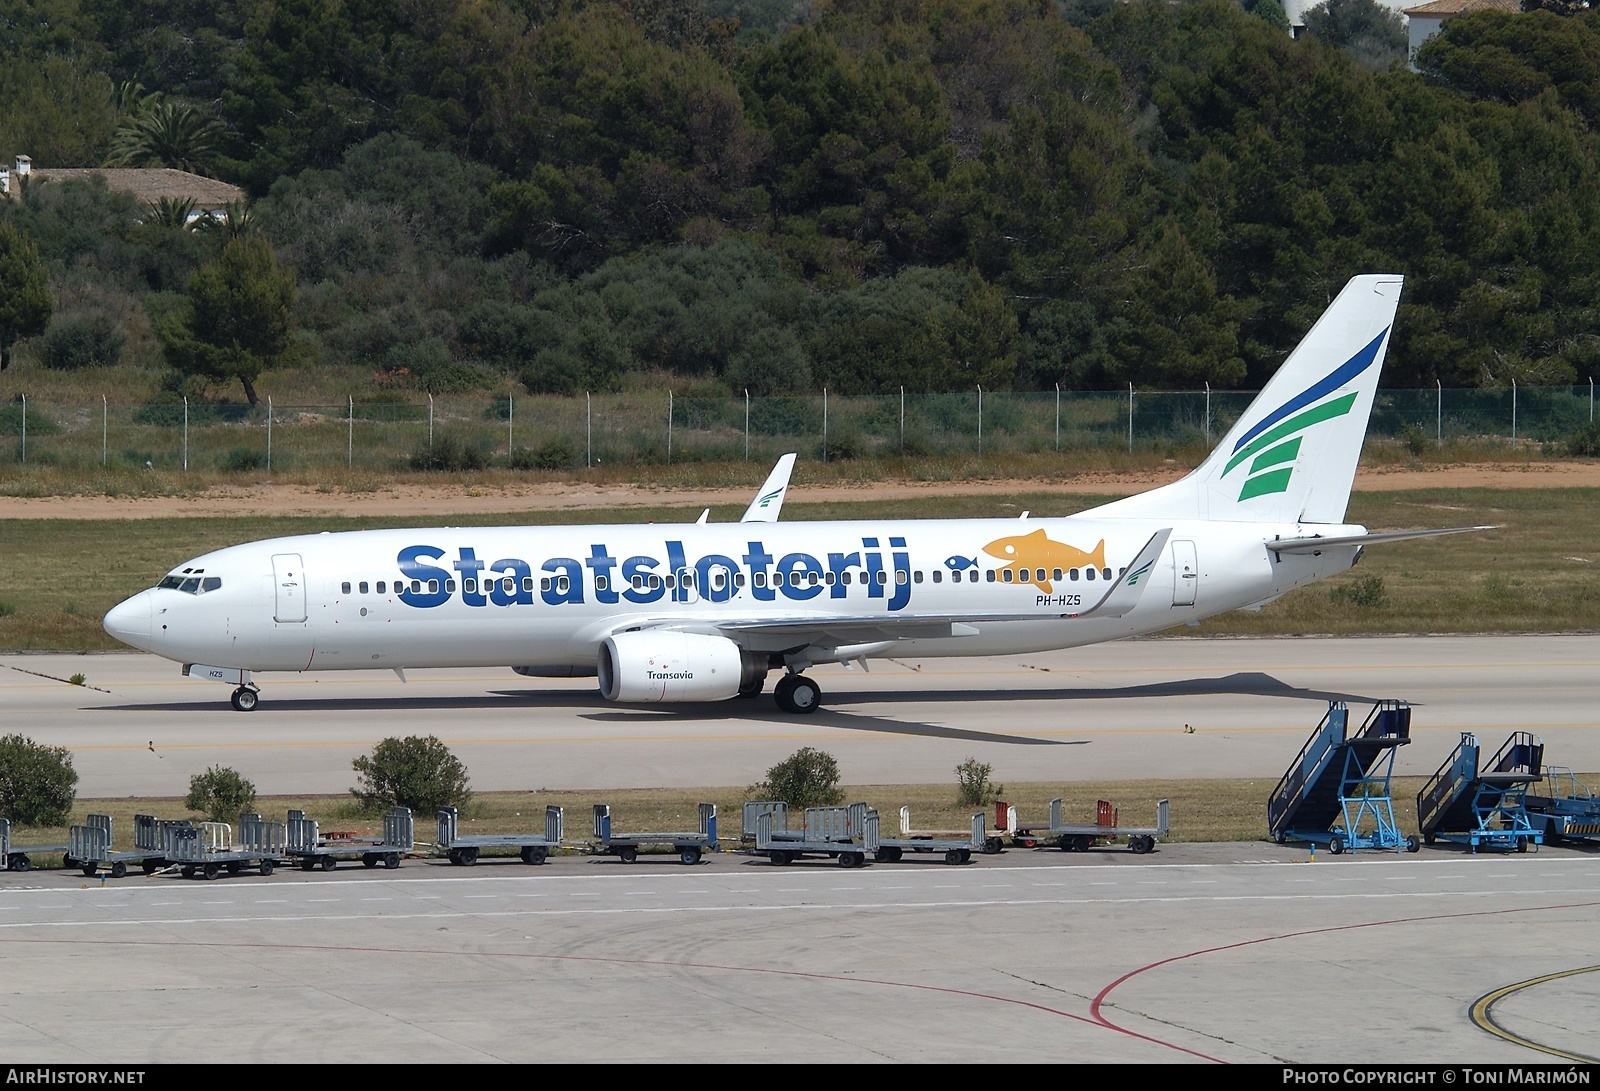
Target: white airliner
703, 611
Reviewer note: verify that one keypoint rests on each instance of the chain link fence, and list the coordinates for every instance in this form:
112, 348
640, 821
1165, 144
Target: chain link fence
555, 433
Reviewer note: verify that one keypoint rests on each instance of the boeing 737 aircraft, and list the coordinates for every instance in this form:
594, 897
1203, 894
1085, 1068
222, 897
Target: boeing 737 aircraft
704, 611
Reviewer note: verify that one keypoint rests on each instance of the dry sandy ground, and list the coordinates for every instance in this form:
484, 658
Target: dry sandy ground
423, 501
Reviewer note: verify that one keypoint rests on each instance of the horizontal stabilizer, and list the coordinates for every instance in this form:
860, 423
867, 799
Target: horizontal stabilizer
1314, 543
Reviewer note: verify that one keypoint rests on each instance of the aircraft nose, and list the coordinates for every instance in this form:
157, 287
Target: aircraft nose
129, 620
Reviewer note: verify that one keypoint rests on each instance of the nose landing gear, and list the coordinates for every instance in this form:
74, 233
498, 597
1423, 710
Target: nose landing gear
245, 699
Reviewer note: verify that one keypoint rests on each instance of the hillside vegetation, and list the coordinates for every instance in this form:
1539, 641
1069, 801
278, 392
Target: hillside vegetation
558, 196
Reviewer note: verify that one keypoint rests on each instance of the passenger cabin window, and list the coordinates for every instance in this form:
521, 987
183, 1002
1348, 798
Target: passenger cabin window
527, 583
1088, 573
433, 587
601, 583
363, 587
938, 577
1006, 576
381, 587
988, 575
344, 588
1105, 573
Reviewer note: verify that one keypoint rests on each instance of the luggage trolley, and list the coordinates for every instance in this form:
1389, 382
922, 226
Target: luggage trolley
956, 851
625, 847
1568, 811
16, 858
89, 846
207, 848
533, 848
848, 834
312, 850
1079, 838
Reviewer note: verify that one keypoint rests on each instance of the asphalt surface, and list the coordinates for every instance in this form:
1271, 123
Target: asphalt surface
1194, 953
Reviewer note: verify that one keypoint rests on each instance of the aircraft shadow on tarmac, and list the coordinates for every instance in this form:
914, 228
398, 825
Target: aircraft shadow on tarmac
845, 710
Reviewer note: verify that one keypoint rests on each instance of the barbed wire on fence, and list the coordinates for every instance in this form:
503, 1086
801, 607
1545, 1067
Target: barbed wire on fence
548, 432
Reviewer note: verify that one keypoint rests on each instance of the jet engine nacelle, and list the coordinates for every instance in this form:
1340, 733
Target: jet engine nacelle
661, 666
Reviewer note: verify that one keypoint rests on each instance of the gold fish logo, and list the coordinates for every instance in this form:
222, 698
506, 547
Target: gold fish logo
1034, 556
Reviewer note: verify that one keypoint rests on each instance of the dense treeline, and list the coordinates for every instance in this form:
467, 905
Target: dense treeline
779, 195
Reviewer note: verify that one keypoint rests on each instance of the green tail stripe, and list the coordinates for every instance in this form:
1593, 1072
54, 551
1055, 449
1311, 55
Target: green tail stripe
1300, 421
1271, 481
1283, 452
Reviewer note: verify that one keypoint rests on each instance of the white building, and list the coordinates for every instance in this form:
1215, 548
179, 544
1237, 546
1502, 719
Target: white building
1426, 19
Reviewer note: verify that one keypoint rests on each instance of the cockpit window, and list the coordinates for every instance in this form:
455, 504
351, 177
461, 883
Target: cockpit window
190, 585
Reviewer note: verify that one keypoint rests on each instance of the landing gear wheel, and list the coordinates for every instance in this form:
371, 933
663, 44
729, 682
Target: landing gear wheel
627, 854
1336, 846
245, 699
689, 854
534, 854
798, 694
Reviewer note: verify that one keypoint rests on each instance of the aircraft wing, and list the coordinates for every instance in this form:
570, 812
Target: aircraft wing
853, 630
1312, 544
769, 500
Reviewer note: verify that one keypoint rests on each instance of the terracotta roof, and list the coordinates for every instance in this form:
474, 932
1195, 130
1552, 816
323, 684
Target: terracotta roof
150, 184
1460, 7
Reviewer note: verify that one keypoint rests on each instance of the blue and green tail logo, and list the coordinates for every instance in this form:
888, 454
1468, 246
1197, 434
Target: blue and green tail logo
1272, 445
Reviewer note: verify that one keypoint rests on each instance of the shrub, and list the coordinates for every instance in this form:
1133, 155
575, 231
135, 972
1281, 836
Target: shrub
37, 783
221, 794
416, 771
1416, 440
1585, 442
80, 341
244, 460
806, 778
1363, 592
556, 453
449, 455
972, 784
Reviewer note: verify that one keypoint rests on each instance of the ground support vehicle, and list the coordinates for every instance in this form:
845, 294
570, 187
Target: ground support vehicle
625, 847
956, 851
311, 849
89, 847
534, 848
1074, 838
1567, 810
1470, 806
209, 848
1337, 790
17, 857
848, 834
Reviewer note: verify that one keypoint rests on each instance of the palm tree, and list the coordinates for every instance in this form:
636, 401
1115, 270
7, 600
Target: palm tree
163, 133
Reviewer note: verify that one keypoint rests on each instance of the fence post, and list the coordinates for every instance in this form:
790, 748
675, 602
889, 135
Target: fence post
1438, 424
588, 430
350, 433
269, 433
1208, 414
186, 433
747, 424
1058, 418
24, 428
1591, 399
980, 418
104, 423
430, 421
1513, 414
824, 424
1130, 418
903, 420
511, 419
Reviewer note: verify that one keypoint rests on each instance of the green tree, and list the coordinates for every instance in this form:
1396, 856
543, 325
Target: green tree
220, 793
37, 783
235, 322
164, 133
806, 778
418, 772
25, 303
1373, 34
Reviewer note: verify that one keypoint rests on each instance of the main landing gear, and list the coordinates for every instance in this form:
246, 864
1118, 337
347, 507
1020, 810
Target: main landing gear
797, 693
245, 699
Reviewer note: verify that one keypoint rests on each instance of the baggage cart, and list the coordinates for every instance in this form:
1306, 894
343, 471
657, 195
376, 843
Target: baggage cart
848, 834
533, 848
312, 850
625, 847
1075, 838
956, 850
208, 849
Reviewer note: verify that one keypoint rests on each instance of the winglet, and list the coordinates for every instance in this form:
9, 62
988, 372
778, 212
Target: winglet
1124, 595
769, 500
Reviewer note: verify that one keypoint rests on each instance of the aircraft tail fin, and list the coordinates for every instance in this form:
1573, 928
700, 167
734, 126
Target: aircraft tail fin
1291, 456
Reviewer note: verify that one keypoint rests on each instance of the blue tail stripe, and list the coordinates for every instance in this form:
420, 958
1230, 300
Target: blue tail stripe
1333, 381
